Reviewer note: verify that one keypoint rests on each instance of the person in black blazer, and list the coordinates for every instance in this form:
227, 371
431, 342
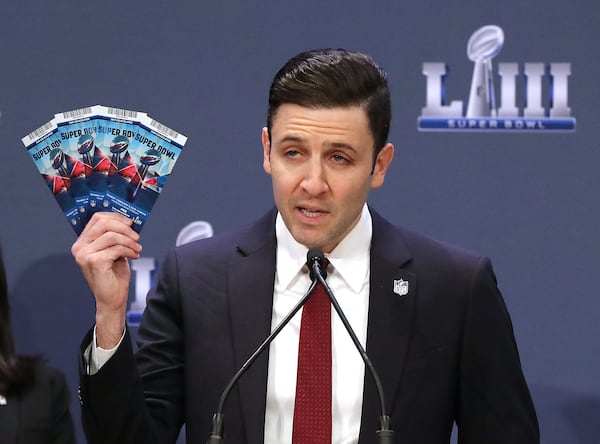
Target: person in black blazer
34, 398
444, 347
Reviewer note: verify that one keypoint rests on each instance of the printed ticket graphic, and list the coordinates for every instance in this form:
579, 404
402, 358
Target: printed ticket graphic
102, 158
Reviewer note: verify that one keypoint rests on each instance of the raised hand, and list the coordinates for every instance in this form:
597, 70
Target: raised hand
102, 251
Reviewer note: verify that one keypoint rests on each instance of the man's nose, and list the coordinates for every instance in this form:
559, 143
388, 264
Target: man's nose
315, 178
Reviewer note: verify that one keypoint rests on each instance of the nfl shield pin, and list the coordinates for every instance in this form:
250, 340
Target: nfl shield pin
400, 287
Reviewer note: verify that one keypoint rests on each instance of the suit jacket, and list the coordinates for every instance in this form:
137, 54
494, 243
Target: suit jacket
445, 351
40, 414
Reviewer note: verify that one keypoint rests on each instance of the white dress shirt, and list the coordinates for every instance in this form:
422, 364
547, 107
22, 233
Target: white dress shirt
348, 277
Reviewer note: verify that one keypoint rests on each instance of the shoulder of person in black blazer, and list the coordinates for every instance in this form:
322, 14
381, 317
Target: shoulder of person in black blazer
40, 413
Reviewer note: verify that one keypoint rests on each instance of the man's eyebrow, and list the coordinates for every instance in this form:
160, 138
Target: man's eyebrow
292, 138
339, 145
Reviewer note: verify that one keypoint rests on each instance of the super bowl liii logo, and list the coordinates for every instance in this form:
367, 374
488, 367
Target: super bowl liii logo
482, 113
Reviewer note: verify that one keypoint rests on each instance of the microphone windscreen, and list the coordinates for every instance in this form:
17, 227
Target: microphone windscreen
314, 254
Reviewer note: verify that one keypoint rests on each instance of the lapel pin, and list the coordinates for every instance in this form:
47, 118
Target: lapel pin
400, 287
2, 400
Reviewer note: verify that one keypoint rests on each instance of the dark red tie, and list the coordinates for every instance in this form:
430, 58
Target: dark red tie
312, 410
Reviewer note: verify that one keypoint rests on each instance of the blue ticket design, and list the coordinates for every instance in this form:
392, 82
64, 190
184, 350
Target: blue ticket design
98, 130
56, 168
77, 132
146, 159
100, 158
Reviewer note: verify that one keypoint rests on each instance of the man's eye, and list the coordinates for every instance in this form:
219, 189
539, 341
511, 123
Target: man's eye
292, 153
339, 158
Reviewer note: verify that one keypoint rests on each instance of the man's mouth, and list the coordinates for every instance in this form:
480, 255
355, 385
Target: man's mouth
311, 213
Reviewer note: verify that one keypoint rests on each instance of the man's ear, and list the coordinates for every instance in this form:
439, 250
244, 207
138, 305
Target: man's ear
266, 150
382, 163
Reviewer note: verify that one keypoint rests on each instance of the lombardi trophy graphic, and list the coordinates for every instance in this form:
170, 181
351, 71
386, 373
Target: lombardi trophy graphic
483, 46
58, 162
119, 144
150, 158
86, 143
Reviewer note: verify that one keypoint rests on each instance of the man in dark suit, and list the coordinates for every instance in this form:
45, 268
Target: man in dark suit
430, 314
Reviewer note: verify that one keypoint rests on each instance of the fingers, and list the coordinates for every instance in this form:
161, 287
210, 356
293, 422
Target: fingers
109, 235
101, 251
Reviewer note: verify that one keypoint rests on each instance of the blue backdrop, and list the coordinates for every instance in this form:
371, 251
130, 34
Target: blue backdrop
528, 200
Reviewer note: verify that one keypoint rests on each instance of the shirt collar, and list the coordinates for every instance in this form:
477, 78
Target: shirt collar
350, 258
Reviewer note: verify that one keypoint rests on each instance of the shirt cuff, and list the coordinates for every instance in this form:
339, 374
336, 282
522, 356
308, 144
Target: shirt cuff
96, 357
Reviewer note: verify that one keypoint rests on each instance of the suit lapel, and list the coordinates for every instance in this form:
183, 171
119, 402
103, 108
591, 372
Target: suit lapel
390, 321
251, 281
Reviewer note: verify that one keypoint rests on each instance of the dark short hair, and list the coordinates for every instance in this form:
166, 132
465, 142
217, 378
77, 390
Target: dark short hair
327, 78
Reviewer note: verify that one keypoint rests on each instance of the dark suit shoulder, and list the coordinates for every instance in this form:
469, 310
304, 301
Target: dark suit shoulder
53, 376
45, 415
396, 241
203, 264
48, 382
231, 245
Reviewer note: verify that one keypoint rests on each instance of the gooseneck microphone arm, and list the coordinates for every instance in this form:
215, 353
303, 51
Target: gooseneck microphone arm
317, 272
216, 435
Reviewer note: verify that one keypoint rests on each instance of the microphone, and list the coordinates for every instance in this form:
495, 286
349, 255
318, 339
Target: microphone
315, 262
216, 434
314, 259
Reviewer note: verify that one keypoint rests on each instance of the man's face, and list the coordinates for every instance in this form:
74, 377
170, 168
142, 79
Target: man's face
321, 164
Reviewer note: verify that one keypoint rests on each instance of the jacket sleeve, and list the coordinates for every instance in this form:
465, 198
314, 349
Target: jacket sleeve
138, 398
494, 404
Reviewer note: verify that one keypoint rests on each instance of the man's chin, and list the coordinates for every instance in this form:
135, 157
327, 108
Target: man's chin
309, 241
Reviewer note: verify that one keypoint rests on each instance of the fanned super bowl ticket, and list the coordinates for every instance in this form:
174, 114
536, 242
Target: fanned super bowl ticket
104, 159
